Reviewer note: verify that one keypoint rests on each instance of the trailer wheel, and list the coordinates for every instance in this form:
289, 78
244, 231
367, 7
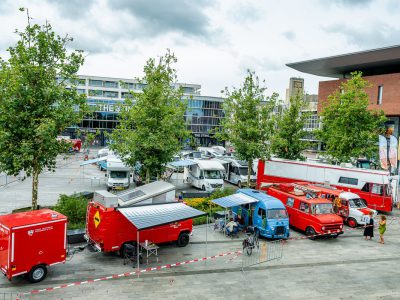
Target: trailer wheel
203, 188
37, 273
352, 222
183, 239
239, 184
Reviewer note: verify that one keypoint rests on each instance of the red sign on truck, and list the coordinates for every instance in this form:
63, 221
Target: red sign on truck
32, 241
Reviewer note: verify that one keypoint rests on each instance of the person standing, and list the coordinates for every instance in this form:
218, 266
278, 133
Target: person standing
382, 229
369, 226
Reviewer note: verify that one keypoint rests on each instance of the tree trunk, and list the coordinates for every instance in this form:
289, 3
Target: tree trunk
35, 183
249, 171
147, 175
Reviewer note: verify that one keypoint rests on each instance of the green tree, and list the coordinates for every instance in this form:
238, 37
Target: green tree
349, 129
289, 130
248, 122
152, 130
35, 104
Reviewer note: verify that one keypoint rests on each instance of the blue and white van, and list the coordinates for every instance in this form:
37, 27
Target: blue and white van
267, 215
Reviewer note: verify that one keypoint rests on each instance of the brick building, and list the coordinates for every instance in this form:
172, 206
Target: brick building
380, 67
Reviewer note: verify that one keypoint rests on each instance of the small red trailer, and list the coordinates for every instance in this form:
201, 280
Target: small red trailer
32, 241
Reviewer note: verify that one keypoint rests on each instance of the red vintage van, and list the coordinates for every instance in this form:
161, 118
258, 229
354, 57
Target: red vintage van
307, 211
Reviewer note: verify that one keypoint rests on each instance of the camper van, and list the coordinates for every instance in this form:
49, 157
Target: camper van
236, 172
117, 175
205, 174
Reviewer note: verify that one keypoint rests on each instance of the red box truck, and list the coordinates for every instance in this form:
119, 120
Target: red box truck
32, 241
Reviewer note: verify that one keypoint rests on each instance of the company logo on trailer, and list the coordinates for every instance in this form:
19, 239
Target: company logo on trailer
30, 232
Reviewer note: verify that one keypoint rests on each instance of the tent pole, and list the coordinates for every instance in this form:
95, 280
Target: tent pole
137, 253
206, 240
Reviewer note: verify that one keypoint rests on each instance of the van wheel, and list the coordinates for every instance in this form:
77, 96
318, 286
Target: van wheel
310, 232
37, 273
203, 188
352, 222
183, 239
239, 184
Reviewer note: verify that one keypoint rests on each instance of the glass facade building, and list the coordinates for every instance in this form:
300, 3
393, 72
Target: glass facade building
104, 95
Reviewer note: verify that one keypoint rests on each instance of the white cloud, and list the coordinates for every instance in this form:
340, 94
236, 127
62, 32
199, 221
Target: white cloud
215, 41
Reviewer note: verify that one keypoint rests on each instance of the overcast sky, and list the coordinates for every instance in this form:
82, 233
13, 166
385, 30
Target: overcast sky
215, 41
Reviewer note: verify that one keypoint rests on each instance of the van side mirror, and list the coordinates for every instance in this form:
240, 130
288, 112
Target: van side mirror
105, 175
201, 177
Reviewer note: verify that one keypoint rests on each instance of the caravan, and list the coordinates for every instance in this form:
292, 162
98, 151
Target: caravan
205, 174
236, 172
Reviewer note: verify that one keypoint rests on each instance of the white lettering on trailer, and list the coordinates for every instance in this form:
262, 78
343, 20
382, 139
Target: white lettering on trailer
114, 247
12, 246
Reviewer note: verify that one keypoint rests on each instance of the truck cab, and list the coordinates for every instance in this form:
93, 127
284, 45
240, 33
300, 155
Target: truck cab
348, 205
267, 215
312, 214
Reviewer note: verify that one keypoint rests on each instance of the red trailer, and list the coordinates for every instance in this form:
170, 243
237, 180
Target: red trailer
110, 223
32, 241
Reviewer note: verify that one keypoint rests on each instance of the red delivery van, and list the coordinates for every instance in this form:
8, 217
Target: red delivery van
32, 241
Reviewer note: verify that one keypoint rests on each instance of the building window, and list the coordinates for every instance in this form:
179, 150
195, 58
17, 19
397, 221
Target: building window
95, 82
380, 93
111, 84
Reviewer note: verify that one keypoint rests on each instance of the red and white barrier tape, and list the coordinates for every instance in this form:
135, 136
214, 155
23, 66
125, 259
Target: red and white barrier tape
126, 274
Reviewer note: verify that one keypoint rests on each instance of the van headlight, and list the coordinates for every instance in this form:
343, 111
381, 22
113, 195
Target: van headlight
341, 226
323, 227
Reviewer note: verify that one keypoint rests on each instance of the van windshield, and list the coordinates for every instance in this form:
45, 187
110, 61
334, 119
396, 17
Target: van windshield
357, 203
322, 208
118, 174
277, 214
244, 171
212, 174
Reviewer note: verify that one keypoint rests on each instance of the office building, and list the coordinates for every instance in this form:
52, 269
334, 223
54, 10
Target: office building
105, 94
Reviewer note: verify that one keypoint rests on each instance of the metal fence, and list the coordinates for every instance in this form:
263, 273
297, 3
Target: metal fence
264, 252
9, 296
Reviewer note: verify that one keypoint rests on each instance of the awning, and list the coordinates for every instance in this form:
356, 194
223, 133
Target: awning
92, 161
234, 200
182, 163
148, 216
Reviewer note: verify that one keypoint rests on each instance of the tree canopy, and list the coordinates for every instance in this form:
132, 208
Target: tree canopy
349, 129
36, 104
151, 124
248, 122
289, 130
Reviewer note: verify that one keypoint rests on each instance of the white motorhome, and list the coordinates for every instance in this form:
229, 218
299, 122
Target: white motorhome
118, 175
236, 172
205, 174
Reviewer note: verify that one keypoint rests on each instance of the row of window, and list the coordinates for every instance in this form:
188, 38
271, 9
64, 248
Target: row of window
106, 94
204, 104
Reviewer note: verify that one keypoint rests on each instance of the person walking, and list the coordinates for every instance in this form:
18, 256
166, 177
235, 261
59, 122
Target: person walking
382, 229
369, 226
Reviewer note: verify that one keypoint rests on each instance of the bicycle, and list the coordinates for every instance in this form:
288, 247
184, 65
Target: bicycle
250, 242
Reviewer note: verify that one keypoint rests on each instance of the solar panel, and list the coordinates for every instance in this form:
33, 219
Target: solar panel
131, 195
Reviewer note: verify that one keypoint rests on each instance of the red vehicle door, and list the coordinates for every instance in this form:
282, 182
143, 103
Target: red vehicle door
344, 208
292, 211
303, 215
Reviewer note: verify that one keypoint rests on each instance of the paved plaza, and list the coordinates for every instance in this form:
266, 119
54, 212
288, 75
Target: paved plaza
344, 268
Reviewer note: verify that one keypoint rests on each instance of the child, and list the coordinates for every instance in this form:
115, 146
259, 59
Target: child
382, 228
